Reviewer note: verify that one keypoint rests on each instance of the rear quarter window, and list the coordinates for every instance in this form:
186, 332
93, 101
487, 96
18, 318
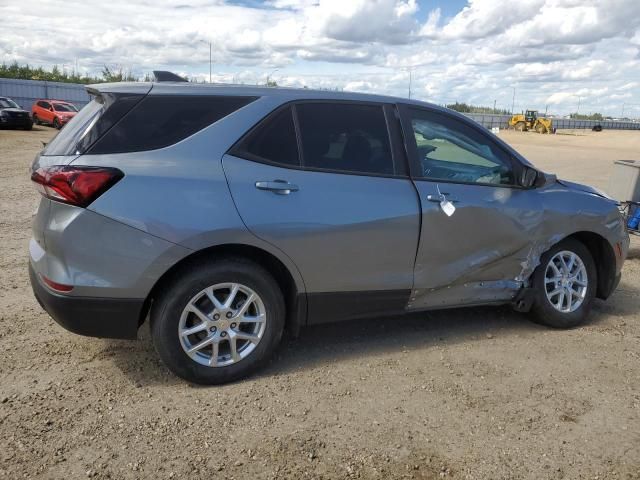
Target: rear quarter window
273, 140
159, 121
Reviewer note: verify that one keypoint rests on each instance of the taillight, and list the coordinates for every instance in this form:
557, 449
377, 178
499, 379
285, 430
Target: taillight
76, 185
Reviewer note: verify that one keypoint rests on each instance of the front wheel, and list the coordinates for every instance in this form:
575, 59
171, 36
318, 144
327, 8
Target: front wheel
565, 285
56, 124
219, 321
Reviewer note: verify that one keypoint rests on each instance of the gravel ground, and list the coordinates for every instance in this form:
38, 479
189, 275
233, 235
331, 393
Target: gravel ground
479, 393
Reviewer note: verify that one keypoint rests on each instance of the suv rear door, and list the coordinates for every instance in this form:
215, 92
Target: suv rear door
323, 182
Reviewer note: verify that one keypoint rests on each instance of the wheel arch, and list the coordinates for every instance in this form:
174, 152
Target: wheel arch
291, 287
604, 257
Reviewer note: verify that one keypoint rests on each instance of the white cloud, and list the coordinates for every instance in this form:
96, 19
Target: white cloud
547, 49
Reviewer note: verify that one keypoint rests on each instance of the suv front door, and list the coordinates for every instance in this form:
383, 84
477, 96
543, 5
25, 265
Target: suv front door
479, 250
321, 181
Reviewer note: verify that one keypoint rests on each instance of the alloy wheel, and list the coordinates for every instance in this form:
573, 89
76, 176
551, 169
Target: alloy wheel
222, 324
566, 281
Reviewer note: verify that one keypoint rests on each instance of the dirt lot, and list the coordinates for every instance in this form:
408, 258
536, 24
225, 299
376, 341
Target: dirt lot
477, 393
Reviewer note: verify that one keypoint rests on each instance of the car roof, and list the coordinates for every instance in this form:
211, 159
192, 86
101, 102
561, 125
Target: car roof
286, 93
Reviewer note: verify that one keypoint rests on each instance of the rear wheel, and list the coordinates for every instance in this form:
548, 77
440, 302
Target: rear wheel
218, 322
521, 126
565, 285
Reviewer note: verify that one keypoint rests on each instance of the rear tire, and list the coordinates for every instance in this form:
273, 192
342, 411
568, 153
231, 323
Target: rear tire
226, 329
576, 285
521, 127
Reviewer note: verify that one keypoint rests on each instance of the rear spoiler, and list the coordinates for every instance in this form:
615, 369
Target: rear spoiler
164, 76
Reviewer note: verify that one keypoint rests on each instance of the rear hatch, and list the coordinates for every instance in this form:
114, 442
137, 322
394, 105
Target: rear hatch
109, 103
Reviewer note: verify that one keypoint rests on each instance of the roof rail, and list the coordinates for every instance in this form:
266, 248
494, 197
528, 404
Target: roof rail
165, 76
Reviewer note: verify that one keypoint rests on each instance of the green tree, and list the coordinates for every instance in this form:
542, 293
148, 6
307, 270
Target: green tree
465, 108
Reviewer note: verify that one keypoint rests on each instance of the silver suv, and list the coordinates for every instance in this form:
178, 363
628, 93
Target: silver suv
227, 214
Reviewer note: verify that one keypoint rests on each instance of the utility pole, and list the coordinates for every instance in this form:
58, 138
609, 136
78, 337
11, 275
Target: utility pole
210, 60
494, 106
210, 63
513, 101
271, 74
410, 81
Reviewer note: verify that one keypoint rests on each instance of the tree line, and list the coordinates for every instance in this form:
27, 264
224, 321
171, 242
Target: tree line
466, 108
27, 72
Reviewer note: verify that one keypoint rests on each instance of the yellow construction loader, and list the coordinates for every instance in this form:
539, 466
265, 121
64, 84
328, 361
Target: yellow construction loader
530, 121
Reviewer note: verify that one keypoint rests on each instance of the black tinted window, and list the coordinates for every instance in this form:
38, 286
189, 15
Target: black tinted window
273, 140
448, 149
160, 121
347, 137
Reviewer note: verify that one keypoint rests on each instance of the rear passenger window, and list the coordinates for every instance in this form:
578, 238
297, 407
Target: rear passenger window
159, 121
273, 140
345, 137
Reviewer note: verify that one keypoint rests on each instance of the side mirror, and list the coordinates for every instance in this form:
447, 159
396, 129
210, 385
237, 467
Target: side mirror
529, 177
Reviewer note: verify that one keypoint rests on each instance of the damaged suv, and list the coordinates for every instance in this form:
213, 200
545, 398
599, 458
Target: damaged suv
227, 214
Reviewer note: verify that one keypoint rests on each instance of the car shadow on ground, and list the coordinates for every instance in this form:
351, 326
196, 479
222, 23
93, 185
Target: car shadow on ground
374, 337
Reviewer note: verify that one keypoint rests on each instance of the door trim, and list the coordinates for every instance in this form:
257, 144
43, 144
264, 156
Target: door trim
328, 307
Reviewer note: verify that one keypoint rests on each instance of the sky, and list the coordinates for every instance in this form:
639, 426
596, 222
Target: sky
563, 55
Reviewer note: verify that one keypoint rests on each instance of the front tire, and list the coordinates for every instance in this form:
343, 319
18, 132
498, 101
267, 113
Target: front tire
564, 285
56, 124
218, 321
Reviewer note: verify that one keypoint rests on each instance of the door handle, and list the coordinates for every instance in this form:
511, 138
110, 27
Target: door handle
436, 198
440, 198
281, 187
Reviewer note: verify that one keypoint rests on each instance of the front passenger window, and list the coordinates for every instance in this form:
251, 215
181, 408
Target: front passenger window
450, 150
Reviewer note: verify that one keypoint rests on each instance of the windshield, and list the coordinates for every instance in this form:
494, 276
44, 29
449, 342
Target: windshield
8, 103
64, 107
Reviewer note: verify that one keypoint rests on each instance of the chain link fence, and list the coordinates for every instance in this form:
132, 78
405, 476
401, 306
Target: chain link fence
502, 121
26, 92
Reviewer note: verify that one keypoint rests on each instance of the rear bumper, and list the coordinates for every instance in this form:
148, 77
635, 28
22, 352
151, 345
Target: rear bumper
90, 316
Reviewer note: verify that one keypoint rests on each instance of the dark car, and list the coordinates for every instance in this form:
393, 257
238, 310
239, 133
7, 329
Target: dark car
11, 115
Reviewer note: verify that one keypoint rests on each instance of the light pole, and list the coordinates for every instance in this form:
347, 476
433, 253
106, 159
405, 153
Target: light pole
513, 101
210, 59
270, 74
